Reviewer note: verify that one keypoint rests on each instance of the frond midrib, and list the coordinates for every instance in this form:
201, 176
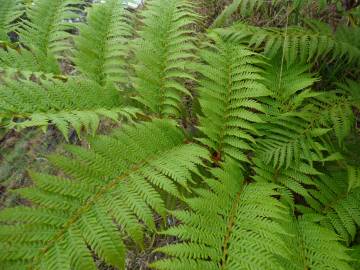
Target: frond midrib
229, 228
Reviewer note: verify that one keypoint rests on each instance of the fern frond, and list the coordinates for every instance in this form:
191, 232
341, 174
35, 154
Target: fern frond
292, 137
46, 31
298, 178
80, 211
355, 254
230, 225
336, 111
10, 10
290, 85
22, 62
298, 44
294, 128
102, 45
229, 89
246, 8
314, 247
164, 54
76, 103
350, 89
339, 201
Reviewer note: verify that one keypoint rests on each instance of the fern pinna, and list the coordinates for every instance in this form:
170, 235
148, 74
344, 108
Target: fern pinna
234, 225
229, 90
74, 104
164, 53
234, 147
73, 213
103, 42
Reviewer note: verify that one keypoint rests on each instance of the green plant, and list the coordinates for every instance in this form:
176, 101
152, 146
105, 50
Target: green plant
263, 177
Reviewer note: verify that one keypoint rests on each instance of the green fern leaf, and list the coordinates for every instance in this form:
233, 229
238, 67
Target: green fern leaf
337, 203
246, 8
297, 43
314, 247
73, 213
229, 89
103, 42
76, 103
230, 225
46, 32
10, 11
22, 63
298, 178
355, 254
164, 55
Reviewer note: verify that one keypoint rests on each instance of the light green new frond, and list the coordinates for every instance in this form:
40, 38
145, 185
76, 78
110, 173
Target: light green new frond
75, 103
298, 44
314, 247
10, 10
82, 211
230, 225
46, 31
102, 45
230, 86
338, 199
164, 55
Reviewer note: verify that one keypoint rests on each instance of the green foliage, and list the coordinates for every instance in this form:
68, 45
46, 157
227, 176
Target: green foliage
337, 198
164, 53
258, 168
103, 41
230, 225
46, 30
78, 103
314, 247
355, 254
76, 212
10, 11
22, 62
246, 8
297, 43
230, 85
297, 178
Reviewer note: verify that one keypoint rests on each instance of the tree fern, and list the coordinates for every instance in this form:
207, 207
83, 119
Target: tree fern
76, 103
10, 10
229, 89
164, 53
73, 213
230, 225
103, 42
298, 44
45, 31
